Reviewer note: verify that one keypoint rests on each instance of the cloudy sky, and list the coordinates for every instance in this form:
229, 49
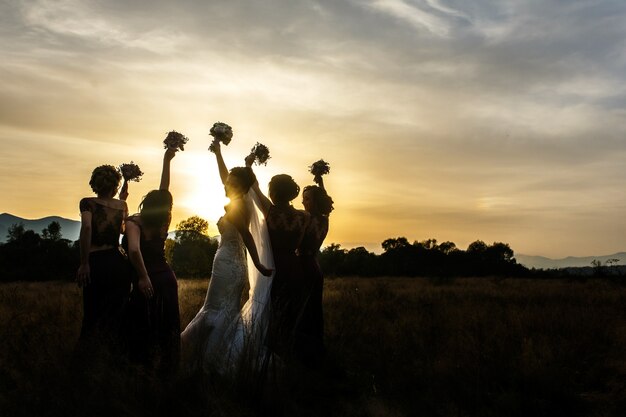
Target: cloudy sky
449, 119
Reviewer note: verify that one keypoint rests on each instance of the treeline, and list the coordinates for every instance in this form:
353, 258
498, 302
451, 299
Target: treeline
28, 255
423, 258
31, 256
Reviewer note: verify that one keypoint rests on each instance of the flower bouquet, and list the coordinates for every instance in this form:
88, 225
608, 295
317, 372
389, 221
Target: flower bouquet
175, 140
261, 153
131, 172
222, 132
319, 168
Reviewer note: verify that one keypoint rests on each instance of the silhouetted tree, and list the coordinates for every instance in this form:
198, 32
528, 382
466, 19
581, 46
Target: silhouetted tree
332, 258
26, 256
193, 251
52, 232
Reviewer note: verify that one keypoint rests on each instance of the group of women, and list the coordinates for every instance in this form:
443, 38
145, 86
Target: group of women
130, 295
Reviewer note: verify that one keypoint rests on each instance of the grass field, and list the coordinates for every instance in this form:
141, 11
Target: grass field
396, 347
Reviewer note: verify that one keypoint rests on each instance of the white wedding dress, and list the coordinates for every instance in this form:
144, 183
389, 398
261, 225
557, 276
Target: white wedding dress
222, 334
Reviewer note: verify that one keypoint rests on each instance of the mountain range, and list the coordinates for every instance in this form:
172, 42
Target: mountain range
70, 230
541, 262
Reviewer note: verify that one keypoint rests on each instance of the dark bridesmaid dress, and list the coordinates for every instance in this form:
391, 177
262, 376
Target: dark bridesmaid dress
106, 295
154, 324
311, 328
286, 227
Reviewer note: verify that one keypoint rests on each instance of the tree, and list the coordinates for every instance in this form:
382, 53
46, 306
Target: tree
26, 256
447, 247
192, 228
192, 251
397, 243
477, 247
332, 258
16, 232
499, 252
52, 232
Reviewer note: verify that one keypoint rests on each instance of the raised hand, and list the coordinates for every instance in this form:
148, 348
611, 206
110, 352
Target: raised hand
215, 146
249, 160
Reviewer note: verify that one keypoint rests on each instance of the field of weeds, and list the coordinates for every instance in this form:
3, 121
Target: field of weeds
396, 347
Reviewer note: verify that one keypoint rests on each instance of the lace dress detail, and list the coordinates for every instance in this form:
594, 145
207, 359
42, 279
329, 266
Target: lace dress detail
107, 220
314, 235
205, 332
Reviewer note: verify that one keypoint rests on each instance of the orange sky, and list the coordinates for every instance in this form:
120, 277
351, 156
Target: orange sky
493, 121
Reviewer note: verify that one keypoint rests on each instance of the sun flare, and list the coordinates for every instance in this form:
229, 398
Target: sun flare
201, 192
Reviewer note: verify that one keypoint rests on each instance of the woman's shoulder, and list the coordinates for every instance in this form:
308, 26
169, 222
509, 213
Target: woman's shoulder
303, 214
135, 218
85, 204
113, 203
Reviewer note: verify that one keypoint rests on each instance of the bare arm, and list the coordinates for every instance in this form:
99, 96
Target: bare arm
133, 233
319, 181
83, 274
221, 165
124, 191
237, 216
165, 173
266, 203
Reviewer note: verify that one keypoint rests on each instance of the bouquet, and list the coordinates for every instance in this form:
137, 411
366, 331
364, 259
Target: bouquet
261, 153
175, 140
222, 132
131, 172
319, 168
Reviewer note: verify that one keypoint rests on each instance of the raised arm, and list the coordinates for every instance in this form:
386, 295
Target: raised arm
83, 274
165, 173
133, 233
319, 181
265, 202
124, 191
220, 160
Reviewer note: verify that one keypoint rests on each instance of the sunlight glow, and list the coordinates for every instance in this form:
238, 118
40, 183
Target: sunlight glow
201, 191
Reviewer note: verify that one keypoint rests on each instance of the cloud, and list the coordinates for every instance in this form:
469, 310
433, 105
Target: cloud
470, 116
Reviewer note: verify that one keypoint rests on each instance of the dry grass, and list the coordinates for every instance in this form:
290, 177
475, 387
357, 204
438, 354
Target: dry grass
396, 347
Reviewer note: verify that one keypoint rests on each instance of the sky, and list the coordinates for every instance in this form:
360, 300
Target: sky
448, 119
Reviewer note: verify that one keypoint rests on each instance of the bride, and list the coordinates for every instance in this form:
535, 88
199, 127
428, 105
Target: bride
214, 340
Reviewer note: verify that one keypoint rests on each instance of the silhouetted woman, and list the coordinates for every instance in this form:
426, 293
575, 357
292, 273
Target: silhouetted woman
286, 226
205, 343
104, 273
154, 317
311, 329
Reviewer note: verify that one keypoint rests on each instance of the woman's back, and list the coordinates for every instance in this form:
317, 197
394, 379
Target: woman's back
107, 219
152, 244
286, 227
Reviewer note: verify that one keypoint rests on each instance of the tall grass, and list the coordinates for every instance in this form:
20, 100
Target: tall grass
396, 347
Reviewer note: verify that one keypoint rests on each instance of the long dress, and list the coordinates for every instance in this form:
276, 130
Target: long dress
311, 328
203, 337
106, 295
155, 323
286, 227
224, 338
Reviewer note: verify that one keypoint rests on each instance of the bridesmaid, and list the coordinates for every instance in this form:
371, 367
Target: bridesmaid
286, 226
311, 330
103, 274
154, 317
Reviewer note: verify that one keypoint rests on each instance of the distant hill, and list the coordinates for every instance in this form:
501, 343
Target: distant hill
70, 229
541, 262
